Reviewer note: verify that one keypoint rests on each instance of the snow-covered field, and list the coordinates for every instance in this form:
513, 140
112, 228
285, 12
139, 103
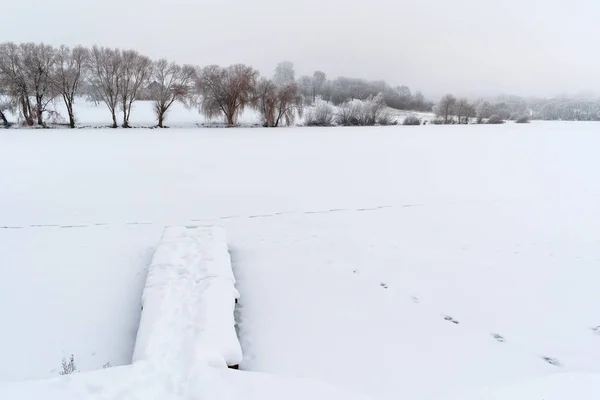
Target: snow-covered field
434, 262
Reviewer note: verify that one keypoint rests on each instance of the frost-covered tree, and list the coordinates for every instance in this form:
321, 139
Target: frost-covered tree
284, 73
226, 91
170, 83
318, 80
446, 108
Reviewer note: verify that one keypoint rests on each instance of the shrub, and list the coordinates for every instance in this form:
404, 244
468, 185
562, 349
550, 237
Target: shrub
524, 119
68, 367
495, 120
437, 121
321, 115
385, 119
349, 114
411, 120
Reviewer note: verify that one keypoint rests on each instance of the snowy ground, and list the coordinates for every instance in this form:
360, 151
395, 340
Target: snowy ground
400, 262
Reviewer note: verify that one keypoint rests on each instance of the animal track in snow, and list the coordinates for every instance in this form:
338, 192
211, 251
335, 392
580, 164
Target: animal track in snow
450, 319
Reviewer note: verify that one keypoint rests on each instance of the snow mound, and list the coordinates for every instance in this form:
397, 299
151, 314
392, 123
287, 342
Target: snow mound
189, 300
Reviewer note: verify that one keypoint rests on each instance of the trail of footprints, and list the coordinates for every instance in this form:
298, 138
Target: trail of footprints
225, 217
496, 336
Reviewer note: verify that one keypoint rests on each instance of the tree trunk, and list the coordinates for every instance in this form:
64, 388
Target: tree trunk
114, 118
40, 120
161, 116
3, 118
125, 121
71, 116
26, 108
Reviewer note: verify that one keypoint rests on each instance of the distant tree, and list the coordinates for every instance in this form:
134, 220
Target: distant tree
306, 86
446, 107
523, 119
284, 73
227, 91
462, 109
318, 80
70, 68
482, 110
278, 105
171, 83
411, 120
266, 95
105, 77
135, 70
495, 120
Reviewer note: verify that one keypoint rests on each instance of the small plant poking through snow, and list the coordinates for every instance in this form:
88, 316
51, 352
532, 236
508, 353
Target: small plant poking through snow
68, 367
383, 285
107, 365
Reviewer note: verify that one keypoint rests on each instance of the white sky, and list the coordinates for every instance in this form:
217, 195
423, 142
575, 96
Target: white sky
469, 47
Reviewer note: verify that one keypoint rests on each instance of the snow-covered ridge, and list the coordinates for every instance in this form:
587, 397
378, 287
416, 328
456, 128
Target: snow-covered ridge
189, 300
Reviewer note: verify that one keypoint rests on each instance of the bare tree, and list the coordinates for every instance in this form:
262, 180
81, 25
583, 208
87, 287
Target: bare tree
284, 73
227, 91
38, 64
70, 65
461, 109
278, 105
445, 108
170, 83
135, 70
266, 100
289, 103
13, 82
105, 77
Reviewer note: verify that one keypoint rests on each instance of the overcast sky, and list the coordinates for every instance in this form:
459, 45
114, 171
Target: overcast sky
469, 47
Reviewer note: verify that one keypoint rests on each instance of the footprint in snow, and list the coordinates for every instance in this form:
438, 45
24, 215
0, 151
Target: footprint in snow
415, 299
552, 361
498, 338
450, 319
596, 329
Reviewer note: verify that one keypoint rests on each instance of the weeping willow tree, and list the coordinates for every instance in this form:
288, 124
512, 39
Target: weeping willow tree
227, 91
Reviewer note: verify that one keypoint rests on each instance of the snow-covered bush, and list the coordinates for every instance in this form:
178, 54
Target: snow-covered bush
321, 115
437, 121
524, 119
411, 120
495, 120
370, 112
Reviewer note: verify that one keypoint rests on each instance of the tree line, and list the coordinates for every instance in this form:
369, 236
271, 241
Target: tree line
33, 76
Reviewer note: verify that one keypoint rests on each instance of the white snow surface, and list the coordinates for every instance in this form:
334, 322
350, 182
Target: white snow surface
433, 262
